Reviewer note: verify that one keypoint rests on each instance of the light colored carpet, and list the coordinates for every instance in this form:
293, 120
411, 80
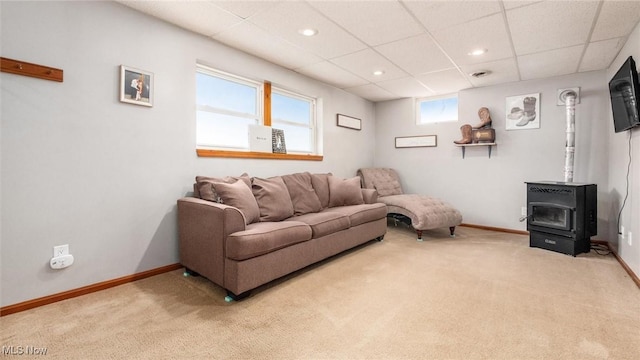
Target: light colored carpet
481, 295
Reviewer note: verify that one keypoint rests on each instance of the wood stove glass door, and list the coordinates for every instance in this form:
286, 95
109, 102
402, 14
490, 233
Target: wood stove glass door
550, 215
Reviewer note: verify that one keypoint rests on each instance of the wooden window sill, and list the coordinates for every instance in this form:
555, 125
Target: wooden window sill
256, 155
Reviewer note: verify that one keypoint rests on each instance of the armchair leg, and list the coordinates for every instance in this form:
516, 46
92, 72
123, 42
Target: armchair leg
419, 235
452, 229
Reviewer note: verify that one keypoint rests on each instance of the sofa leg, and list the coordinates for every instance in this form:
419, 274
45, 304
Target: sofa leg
419, 235
233, 297
189, 272
452, 230
380, 238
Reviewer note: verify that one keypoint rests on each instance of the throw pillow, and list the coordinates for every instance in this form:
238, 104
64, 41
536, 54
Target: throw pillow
304, 198
388, 187
273, 199
239, 195
320, 184
344, 192
204, 185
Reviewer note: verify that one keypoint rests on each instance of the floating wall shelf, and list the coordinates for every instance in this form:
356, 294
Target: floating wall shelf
488, 145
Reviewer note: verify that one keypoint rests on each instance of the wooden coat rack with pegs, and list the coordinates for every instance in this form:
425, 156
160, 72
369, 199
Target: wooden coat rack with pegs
28, 69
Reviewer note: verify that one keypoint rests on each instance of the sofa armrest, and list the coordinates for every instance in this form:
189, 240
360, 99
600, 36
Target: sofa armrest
203, 227
370, 196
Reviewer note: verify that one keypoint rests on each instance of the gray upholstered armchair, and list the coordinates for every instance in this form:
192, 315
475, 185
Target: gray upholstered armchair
419, 211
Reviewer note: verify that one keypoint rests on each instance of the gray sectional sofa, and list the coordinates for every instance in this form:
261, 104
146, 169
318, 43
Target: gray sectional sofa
242, 232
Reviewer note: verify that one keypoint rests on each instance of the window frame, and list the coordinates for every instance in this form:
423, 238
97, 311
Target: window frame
435, 98
263, 108
313, 114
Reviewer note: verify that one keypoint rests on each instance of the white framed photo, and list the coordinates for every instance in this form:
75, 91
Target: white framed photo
136, 86
523, 112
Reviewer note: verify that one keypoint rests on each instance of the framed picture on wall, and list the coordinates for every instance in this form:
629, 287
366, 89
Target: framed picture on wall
136, 86
523, 112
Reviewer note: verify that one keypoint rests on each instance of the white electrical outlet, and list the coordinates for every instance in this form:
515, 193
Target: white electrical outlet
61, 250
629, 239
523, 211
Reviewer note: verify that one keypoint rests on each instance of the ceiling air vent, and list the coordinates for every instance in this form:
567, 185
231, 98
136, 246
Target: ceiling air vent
481, 73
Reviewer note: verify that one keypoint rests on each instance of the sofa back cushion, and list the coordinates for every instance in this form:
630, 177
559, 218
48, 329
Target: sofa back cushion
344, 191
273, 198
320, 184
239, 195
303, 196
203, 188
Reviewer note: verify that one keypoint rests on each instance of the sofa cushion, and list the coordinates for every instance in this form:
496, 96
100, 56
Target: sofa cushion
264, 237
320, 184
360, 214
204, 185
273, 198
324, 223
344, 191
387, 187
303, 196
239, 195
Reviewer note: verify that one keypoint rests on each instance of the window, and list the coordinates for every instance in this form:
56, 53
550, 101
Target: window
437, 109
295, 114
225, 106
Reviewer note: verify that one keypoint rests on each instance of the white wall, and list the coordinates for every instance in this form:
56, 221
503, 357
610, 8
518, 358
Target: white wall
81, 168
491, 191
618, 163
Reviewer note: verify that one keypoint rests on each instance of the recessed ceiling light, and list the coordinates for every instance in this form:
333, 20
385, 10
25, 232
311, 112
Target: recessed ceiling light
308, 32
477, 52
378, 72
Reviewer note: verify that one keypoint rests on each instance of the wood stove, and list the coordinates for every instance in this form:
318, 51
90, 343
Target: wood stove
561, 216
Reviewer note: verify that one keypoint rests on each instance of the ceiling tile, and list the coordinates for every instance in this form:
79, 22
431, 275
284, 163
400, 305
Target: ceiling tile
551, 25
416, 55
332, 74
201, 17
445, 82
371, 92
600, 54
487, 33
286, 19
374, 22
364, 63
251, 39
405, 87
617, 19
501, 71
246, 8
512, 4
438, 15
550, 63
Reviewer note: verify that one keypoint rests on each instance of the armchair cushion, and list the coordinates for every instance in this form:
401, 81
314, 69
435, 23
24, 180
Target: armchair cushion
387, 187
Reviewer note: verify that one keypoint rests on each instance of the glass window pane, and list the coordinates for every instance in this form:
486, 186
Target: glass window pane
222, 130
290, 109
224, 94
438, 110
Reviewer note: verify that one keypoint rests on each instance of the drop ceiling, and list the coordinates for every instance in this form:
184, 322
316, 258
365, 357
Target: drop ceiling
421, 47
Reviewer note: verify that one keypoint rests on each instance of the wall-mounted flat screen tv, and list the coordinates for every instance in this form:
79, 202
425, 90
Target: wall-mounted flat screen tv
624, 89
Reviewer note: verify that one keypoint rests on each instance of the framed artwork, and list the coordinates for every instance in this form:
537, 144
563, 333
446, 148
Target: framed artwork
523, 112
349, 122
416, 141
136, 86
278, 145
